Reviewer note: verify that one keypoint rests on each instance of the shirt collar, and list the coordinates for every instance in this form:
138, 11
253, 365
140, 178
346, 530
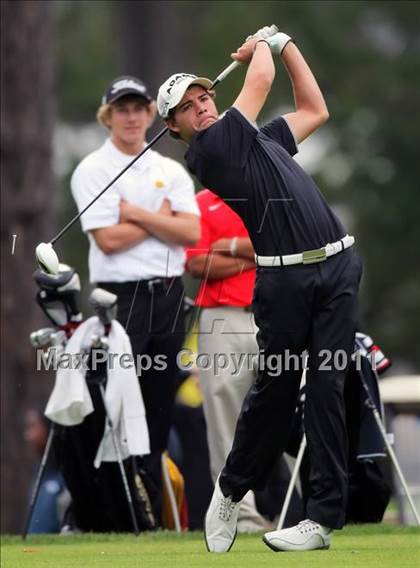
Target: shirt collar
120, 159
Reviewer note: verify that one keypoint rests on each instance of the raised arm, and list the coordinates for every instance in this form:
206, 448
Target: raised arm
311, 110
258, 79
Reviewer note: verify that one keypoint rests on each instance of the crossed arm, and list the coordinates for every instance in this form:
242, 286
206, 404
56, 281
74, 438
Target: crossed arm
137, 224
311, 110
118, 238
219, 262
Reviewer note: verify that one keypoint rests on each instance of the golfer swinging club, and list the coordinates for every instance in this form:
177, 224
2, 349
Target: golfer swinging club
306, 289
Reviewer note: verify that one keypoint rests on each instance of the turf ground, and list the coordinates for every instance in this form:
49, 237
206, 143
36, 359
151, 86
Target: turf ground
367, 546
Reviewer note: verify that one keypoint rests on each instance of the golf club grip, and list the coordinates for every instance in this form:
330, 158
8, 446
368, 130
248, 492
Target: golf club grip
273, 30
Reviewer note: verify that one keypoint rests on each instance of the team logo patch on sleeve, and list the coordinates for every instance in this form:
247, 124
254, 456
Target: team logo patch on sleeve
159, 183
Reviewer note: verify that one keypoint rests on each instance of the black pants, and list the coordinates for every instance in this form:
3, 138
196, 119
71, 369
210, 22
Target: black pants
153, 316
300, 307
99, 502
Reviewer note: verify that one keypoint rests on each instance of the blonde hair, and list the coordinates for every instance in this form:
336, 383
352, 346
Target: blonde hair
103, 113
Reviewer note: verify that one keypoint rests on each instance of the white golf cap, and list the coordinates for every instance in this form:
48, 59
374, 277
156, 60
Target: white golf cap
173, 89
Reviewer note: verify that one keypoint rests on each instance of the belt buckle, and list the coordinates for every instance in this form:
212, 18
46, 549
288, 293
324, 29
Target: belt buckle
152, 283
313, 256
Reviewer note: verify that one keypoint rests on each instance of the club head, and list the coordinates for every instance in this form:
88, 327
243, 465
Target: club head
99, 342
47, 258
105, 305
42, 337
58, 294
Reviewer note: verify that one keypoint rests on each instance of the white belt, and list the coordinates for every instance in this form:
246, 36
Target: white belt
307, 256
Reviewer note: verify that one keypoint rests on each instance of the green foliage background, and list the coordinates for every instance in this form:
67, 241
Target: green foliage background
366, 57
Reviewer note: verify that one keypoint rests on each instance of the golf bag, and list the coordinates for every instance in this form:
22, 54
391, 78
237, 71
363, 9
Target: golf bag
115, 496
369, 490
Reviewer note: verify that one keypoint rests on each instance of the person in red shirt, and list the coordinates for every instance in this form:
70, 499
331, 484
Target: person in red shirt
227, 346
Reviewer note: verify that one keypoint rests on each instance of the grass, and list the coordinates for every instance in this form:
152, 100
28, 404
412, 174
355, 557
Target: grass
365, 546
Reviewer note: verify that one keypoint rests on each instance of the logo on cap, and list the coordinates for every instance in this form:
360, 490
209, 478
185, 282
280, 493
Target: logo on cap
178, 79
127, 84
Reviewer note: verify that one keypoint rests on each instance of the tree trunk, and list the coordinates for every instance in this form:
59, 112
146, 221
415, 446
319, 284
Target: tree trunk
158, 39
26, 127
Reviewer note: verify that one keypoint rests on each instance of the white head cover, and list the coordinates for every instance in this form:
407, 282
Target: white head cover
173, 89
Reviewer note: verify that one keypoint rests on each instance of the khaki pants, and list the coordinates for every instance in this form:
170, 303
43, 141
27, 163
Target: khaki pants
222, 332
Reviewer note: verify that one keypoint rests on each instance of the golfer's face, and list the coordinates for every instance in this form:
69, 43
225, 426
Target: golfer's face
195, 112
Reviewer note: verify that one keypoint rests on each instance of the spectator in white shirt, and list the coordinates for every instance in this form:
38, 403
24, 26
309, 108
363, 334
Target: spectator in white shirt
137, 232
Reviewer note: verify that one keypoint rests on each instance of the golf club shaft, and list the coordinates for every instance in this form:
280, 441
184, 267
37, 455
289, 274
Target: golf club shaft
396, 465
218, 79
70, 223
225, 73
391, 453
120, 463
40, 474
292, 484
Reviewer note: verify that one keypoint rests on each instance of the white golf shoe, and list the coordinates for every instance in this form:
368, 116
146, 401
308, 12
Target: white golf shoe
307, 535
220, 522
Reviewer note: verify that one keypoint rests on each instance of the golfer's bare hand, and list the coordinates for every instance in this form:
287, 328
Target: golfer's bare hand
221, 246
245, 52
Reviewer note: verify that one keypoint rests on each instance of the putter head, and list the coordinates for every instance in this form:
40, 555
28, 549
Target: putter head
105, 305
47, 258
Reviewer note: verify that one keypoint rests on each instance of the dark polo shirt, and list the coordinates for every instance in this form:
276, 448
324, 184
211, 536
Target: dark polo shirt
253, 171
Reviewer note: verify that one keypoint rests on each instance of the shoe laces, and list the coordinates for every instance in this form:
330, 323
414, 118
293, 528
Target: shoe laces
307, 526
226, 508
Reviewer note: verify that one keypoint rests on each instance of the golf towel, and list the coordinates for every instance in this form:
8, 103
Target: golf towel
70, 400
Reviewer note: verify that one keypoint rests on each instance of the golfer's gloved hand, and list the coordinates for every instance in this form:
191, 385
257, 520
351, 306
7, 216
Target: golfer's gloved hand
264, 32
277, 42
